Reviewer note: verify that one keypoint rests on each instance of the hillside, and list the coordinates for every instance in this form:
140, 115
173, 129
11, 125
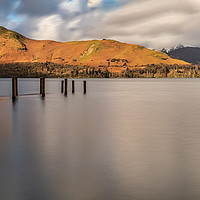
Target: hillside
187, 54
16, 48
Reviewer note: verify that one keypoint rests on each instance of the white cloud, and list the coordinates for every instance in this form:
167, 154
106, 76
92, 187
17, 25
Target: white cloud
71, 6
47, 27
153, 23
94, 3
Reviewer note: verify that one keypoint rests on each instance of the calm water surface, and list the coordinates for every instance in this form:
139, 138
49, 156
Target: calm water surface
130, 139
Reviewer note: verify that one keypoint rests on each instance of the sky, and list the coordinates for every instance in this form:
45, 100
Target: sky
153, 23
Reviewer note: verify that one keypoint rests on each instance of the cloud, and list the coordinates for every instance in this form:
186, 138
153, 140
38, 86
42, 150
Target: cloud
48, 27
74, 6
94, 3
38, 7
153, 23
6, 8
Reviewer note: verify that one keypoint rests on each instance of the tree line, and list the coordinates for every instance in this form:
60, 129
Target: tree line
54, 70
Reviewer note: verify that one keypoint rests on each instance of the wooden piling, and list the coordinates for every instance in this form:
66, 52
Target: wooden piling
43, 87
16, 80
84, 87
65, 93
62, 86
40, 85
73, 89
14, 88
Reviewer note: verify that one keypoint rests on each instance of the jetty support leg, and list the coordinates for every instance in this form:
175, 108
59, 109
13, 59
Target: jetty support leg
65, 93
73, 89
16, 80
84, 87
14, 88
62, 86
40, 85
43, 87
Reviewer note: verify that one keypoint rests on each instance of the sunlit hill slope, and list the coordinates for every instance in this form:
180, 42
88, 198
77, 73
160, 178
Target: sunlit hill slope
16, 48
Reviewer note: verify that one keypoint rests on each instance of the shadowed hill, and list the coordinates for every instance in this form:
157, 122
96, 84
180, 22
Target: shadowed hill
16, 48
188, 54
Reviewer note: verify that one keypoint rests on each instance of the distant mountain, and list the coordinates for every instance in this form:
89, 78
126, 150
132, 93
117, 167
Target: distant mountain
14, 47
167, 50
187, 54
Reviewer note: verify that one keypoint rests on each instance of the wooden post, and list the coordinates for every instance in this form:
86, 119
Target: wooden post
16, 80
62, 86
84, 87
40, 85
43, 87
73, 90
14, 89
65, 93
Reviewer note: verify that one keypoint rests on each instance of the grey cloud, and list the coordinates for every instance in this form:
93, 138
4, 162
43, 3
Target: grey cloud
6, 8
38, 7
151, 9
153, 23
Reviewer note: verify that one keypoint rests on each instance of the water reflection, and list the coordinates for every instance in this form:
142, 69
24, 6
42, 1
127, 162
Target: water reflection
124, 139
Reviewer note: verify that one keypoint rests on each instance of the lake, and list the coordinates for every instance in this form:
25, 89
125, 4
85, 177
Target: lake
126, 139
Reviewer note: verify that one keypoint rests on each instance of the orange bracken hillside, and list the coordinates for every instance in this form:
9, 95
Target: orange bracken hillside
17, 48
